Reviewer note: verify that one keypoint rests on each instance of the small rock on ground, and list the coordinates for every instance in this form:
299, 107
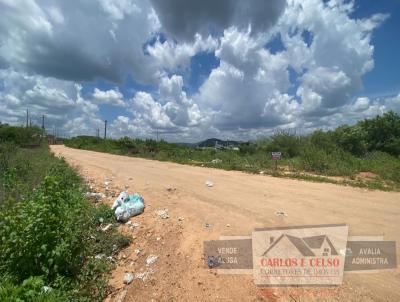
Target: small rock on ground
128, 278
151, 259
163, 214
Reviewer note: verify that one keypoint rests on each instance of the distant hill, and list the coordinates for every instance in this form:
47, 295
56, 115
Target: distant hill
211, 143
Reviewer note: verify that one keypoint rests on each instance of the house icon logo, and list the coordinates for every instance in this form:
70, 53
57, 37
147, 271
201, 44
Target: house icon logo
313, 246
304, 254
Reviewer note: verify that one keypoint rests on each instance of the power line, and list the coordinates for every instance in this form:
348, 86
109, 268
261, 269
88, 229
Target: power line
105, 129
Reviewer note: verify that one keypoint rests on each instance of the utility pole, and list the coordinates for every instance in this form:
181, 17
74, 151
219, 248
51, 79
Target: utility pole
105, 129
30, 122
43, 123
27, 117
157, 134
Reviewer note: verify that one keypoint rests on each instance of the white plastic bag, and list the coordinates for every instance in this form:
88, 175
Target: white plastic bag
129, 206
119, 201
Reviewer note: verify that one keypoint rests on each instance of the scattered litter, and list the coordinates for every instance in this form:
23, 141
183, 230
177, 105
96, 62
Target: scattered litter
158, 238
47, 289
128, 278
99, 256
106, 183
181, 218
209, 183
261, 172
101, 219
228, 225
133, 225
114, 247
171, 189
280, 213
97, 196
151, 259
216, 161
110, 258
212, 261
128, 206
163, 214
107, 227
137, 252
207, 225
144, 275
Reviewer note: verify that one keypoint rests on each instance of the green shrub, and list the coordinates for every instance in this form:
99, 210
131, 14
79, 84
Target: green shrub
351, 139
384, 165
30, 290
19, 135
289, 144
103, 213
49, 234
338, 162
383, 133
21, 170
43, 235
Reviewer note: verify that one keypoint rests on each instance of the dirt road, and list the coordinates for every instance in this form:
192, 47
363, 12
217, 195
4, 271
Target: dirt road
235, 205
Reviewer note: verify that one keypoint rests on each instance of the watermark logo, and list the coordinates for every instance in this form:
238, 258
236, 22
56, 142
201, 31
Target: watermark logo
370, 255
305, 255
300, 255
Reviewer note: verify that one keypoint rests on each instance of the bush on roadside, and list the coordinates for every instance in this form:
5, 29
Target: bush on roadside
30, 290
336, 163
51, 235
45, 234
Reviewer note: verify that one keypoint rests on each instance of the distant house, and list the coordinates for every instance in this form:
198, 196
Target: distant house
217, 144
314, 246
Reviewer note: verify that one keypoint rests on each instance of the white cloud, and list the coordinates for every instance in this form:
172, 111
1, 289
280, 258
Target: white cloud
117, 10
60, 101
247, 83
110, 97
49, 51
331, 68
79, 40
172, 55
329, 64
172, 110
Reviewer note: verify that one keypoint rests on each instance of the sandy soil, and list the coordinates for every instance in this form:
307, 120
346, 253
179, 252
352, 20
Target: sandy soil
236, 204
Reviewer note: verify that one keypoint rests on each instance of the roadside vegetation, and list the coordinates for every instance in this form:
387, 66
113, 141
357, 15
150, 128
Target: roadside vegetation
363, 155
49, 233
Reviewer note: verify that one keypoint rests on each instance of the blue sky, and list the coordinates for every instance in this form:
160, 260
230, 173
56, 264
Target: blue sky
384, 79
193, 70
